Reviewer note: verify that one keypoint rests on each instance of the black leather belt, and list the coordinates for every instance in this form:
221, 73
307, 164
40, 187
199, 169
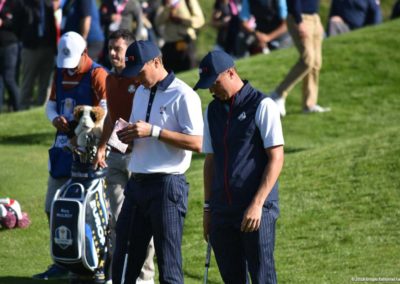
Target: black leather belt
146, 177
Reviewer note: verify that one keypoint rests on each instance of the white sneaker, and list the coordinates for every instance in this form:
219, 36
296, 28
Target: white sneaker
280, 102
316, 109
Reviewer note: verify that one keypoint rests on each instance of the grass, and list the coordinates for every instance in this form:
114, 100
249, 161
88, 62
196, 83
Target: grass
339, 188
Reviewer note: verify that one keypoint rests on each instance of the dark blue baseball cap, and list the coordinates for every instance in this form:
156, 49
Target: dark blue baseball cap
137, 55
213, 64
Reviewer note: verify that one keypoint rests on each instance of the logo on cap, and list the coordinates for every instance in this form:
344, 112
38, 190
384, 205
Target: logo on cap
203, 70
130, 58
66, 51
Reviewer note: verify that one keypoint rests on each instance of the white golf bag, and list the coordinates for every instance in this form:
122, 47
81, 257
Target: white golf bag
79, 221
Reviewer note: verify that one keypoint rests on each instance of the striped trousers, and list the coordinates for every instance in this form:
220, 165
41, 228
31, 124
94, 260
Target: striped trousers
152, 207
239, 253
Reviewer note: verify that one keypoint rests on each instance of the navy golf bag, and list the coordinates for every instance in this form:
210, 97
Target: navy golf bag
79, 221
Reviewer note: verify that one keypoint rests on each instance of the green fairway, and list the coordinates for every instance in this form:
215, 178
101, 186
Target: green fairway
339, 193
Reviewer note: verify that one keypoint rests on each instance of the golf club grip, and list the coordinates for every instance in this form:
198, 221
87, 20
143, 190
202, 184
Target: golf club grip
208, 255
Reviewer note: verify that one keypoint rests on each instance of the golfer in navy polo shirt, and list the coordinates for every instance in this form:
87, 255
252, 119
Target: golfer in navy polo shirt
166, 125
244, 145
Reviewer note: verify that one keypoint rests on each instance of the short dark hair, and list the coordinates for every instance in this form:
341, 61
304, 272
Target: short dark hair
123, 33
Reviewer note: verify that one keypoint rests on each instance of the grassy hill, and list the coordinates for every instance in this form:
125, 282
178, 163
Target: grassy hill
339, 188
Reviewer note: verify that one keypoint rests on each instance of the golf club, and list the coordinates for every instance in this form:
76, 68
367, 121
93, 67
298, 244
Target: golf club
208, 259
128, 245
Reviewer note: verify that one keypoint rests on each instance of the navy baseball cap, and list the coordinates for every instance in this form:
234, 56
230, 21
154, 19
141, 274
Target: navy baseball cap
137, 55
213, 64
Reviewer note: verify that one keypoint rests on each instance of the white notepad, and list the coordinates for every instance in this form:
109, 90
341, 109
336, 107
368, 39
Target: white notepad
114, 140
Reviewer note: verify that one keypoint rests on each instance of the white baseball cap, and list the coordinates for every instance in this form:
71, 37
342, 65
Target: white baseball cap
70, 49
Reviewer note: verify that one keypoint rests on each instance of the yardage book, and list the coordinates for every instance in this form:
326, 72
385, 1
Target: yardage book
114, 140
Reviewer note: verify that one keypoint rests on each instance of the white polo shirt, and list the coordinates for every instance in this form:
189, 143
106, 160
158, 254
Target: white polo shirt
176, 107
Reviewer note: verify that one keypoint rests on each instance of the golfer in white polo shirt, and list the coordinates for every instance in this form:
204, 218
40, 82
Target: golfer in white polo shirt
165, 127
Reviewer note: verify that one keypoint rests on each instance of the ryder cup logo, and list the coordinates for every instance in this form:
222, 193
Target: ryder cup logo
63, 237
242, 116
162, 109
131, 89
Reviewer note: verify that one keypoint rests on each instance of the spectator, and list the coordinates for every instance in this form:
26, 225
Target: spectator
164, 127
82, 16
305, 27
124, 15
77, 81
120, 92
396, 10
9, 54
39, 47
265, 23
347, 15
149, 9
243, 143
179, 20
225, 19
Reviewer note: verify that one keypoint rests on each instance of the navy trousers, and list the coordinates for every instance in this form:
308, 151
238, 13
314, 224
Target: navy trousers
237, 253
152, 207
8, 70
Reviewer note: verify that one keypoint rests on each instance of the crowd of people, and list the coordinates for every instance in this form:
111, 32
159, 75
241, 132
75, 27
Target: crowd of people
29, 32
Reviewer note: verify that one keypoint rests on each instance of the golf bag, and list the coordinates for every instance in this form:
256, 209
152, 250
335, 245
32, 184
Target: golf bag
79, 221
